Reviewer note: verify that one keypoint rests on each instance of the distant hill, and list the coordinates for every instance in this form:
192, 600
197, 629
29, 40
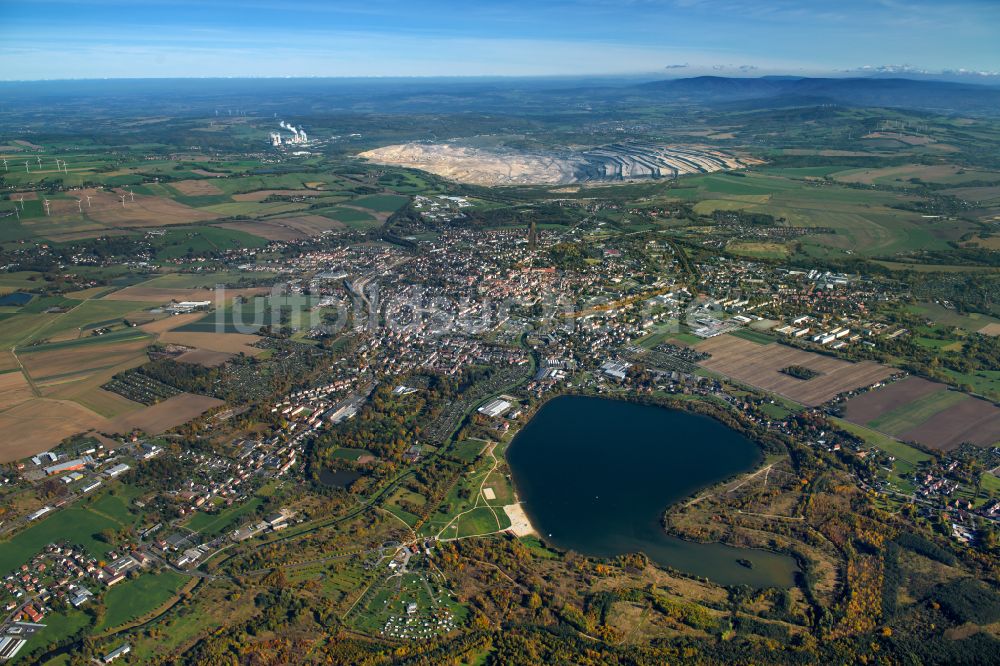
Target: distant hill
885, 92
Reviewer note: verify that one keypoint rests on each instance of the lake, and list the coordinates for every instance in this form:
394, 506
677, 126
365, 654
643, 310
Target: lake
342, 478
596, 475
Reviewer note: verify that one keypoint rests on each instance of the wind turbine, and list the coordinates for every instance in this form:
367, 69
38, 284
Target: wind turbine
122, 197
22, 202
5, 166
88, 201
46, 202
65, 170
79, 204
131, 196
26, 169
39, 160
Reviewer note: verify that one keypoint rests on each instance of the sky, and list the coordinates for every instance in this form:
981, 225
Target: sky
60, 39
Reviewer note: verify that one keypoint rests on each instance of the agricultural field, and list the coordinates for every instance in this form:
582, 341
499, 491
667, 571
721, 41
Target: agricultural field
760, 366
92, 359
927, 413
40, 424
864, 222
755, 250
164, 415
911, 174
975, 322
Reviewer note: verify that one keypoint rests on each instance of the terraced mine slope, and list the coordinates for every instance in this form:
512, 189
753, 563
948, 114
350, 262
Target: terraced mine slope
620, 161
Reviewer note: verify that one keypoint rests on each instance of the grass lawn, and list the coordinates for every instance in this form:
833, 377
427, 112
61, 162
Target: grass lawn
133, 598
58, 626
467, 450
210, 524
984, 382
404, 515
115, 507
479, 521
687, 338
972, 321
991, 484
775, 411
349, 454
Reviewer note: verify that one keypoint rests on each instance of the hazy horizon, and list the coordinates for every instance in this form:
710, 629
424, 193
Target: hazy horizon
71, 39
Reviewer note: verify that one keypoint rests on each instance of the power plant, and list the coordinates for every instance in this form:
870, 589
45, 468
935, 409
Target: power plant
298, 137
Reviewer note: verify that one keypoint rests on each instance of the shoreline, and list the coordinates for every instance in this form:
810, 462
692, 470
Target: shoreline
520, 524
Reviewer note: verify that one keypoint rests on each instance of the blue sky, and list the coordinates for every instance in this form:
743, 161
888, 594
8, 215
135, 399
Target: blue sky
46, 39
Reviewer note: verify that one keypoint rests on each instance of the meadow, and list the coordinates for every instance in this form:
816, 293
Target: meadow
73, 525
133, 598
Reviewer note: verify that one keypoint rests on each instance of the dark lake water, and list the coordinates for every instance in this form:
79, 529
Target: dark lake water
16, 298
596, 475
342, 478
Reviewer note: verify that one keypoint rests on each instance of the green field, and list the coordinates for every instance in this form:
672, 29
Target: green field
908, 458
19, 327
180, 242
349, 454
467, 450
200, 280
891, 446
136, 597
20, 280
352, 217
58, 627
74, 525
970, 321
753, 336
381, 203
116, 506
88, 315
126, 335
211, 524
480, 520
865, 221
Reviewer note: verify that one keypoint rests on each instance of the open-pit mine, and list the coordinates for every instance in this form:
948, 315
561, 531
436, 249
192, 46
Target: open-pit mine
615, 162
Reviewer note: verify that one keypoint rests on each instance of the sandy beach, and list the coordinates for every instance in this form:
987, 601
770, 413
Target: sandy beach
519, 523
